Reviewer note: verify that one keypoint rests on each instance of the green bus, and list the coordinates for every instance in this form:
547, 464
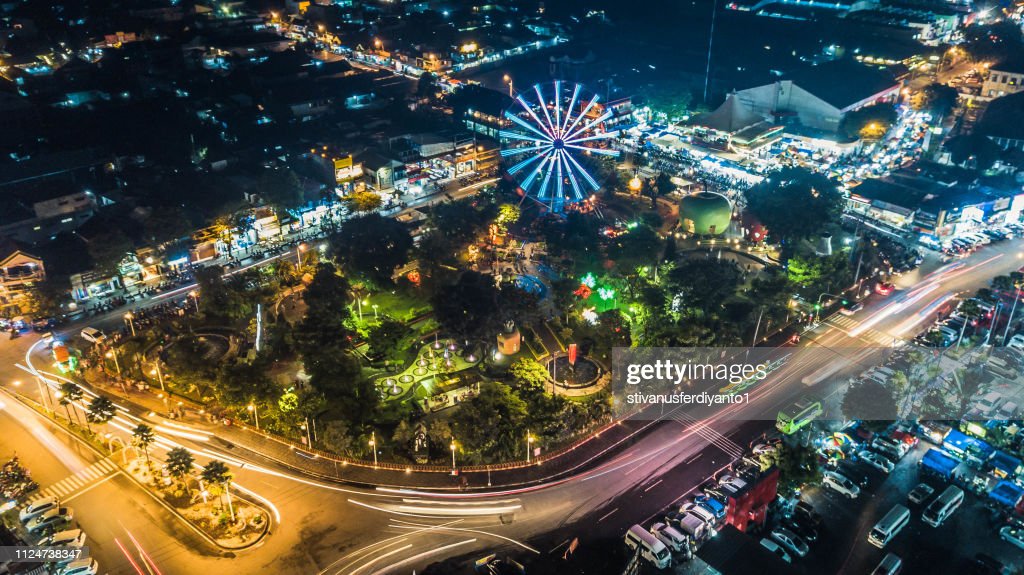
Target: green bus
797, 416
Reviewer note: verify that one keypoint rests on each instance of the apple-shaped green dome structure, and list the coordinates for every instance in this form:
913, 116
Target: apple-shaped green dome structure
705, 213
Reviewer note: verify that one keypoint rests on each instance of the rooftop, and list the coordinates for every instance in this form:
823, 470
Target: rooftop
843, 82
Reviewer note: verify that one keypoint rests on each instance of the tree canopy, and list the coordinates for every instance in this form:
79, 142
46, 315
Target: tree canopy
775, 200
372, 245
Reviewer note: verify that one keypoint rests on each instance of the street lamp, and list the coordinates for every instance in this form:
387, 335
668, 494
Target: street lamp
375, 306
359, 304
452, 446
195, 298
373, 446
529, 445
112, 354
159, 374
508, 80
255, 415
129, 317
298, 253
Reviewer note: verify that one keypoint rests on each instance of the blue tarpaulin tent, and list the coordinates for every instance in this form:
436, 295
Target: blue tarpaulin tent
938, 462
961, 445
1007, 493
1003, 464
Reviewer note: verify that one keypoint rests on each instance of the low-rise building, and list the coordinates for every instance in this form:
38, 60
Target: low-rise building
1004, 79
19, 270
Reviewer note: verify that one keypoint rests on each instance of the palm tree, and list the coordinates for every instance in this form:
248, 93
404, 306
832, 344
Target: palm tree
143, 437
179, 465
217, 473
964, 385
101, 410
69, 394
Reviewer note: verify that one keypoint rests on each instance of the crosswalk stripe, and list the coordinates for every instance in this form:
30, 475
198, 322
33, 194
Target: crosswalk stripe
81, 479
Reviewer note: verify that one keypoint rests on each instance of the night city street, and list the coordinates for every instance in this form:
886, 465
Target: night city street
378, 287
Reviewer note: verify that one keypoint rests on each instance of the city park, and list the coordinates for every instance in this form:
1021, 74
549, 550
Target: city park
488, 339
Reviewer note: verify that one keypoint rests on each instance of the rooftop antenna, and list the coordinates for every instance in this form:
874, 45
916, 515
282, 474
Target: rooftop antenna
711, 39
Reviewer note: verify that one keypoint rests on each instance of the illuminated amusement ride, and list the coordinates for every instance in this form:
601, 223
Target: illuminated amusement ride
551, 130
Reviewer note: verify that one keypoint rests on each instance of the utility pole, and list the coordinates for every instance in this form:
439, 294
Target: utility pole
1009, 320
711, 39
757, 327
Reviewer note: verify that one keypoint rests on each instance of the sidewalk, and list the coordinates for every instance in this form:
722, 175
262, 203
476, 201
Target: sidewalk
585, 454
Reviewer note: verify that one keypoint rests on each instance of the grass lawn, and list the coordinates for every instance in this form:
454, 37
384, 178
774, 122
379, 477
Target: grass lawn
401, 306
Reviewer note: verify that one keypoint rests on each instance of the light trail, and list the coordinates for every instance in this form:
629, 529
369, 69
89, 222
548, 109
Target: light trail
423, 555
411, 525
128, 556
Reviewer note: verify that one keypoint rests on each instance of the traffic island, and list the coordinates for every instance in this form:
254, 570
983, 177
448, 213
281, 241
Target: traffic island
226, 519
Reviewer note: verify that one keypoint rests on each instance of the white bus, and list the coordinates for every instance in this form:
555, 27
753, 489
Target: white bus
895, 520
944, 506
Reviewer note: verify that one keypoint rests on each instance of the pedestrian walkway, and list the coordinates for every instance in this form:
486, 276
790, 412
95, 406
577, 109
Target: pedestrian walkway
847, 324
85, 478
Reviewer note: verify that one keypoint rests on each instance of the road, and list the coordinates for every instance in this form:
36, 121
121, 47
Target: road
333, 529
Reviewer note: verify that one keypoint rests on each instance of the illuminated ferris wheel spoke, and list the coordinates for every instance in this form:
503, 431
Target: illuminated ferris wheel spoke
550, 128
527, 125
558, 107
583, 172
540, 123
602, 136
581, 115
568, 111
533, 175
561, 180
599, 151
547, 178
517, 151
518, 136
516, 168
589, 125
572, 178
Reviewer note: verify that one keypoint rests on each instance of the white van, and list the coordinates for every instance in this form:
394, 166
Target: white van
668, 535
944, 506
891, 565
1001, 368
650, 547
883, 531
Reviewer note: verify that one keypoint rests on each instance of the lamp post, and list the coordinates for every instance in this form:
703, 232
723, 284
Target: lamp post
1009, 320
359, 304
129, 317
255, 415
452, 446
305, 427
375, 306
529, 445
373, 446
508, 80
298, 254
159, 374
195, 298
117, 365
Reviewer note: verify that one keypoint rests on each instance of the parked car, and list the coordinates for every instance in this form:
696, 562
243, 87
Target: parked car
776, 549
668, 535
68, 538
1012, 535
891, 564
805, 531
804, 512
877, 461
81, 567
37, 508
50, 519
840, 484
93, 335
920, 494
790, 541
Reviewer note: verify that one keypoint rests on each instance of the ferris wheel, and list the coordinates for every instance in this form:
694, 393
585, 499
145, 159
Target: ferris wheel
552, 129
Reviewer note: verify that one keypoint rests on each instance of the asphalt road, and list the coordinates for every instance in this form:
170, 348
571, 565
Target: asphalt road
330, 529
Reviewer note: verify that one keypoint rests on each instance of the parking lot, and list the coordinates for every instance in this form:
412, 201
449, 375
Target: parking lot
950, 548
